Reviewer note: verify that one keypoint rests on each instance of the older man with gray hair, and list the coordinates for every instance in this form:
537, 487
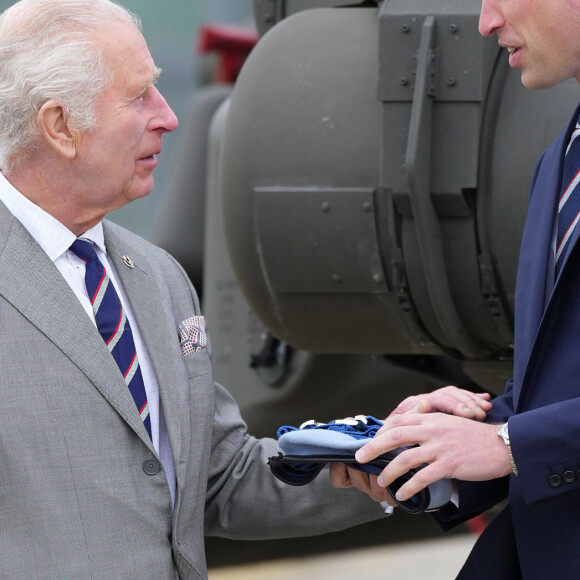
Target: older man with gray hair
119, 452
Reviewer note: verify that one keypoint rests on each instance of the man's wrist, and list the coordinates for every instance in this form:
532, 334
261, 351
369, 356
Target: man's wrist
503, 433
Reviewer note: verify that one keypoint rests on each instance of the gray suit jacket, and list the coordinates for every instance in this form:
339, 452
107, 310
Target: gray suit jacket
75, 500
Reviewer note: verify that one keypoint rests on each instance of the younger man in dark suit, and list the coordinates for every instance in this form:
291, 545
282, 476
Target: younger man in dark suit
528, 449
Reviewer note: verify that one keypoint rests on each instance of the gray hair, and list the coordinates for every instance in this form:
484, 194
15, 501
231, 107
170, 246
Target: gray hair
47, 52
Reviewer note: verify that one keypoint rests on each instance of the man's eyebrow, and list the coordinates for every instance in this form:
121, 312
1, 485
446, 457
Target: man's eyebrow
152, 81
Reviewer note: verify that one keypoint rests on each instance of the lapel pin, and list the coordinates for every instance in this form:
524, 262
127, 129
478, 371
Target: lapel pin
128, 261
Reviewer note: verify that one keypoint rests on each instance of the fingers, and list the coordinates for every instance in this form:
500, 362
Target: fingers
339, 476
406, 405
407, 430
460, 402
342, 476
368, 484
428, 469
439, 446
450, 400
485, 396
389, 437
421, 480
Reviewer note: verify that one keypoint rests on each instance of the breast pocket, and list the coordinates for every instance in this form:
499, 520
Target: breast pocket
197, 364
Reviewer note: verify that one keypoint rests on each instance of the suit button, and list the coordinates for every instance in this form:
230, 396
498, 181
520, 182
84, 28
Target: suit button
569, 476
151, 466
555, 480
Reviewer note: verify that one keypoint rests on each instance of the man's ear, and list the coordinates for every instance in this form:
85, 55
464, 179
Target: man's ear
53, 123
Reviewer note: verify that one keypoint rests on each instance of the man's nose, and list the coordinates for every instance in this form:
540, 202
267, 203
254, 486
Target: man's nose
165, 119
490, 17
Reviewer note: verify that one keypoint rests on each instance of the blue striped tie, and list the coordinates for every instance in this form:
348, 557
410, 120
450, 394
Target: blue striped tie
569, 205
113, 324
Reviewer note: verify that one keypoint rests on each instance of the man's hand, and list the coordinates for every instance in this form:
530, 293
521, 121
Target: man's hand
449, 447
342, 476
451, 400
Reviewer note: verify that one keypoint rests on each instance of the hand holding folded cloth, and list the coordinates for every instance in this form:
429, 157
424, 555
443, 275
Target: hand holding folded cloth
307, 449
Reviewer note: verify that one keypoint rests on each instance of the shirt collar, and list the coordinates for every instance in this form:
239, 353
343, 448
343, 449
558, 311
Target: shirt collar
51, 235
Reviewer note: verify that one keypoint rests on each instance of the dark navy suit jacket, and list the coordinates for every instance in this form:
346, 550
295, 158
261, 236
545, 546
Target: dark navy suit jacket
542, 400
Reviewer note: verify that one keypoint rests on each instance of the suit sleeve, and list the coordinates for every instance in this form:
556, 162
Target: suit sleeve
243, 498
546, 449
476, 497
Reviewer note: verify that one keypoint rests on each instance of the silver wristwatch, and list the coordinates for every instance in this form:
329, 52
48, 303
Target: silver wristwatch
504, 434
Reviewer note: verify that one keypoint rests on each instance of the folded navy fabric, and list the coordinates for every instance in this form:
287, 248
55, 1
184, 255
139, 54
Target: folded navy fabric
308, 448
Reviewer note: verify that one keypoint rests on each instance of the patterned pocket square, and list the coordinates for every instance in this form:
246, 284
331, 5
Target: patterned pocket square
192, 334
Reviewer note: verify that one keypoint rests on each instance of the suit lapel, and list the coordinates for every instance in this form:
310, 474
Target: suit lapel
571, 243
35, 287
559, 164
535, 261
152, 311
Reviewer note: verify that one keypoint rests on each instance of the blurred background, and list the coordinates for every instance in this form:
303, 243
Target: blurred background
201, 45
172, 30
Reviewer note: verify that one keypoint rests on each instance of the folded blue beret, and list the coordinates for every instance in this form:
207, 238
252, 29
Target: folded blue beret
308, 448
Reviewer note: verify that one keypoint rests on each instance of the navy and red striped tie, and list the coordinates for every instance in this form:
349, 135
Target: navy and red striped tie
113, 324
569, 204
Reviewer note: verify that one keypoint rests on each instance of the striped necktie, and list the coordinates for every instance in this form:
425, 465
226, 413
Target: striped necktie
569, 204
113, 324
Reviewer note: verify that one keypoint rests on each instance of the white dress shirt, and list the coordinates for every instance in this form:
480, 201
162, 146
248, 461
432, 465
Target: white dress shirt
55, 239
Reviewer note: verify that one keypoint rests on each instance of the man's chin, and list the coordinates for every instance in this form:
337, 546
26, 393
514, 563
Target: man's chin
141, 189
540, 81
